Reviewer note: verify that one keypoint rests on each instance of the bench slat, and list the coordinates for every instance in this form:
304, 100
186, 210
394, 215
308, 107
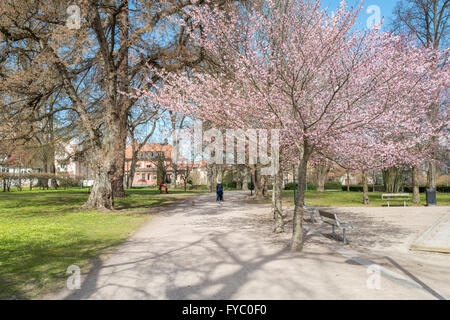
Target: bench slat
328, 215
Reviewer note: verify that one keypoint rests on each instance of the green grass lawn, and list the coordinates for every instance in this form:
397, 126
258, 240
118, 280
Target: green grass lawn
43, 233
136, 190
352, 199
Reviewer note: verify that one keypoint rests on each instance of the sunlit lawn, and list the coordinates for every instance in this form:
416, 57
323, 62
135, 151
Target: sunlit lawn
134, 190
42, 234
353, 199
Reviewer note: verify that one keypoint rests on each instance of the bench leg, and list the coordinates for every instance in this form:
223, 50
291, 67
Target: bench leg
388, 203
332, 228
345, 239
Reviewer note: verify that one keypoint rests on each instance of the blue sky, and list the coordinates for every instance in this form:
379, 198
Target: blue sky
386, 8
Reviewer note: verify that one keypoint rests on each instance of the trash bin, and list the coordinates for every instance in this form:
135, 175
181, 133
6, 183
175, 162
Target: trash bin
431, 197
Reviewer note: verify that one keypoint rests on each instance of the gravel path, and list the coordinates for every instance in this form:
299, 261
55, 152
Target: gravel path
202, 249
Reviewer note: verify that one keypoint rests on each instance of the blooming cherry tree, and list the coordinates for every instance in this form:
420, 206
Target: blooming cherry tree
296, 68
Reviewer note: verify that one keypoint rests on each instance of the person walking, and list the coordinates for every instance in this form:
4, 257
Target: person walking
219, 192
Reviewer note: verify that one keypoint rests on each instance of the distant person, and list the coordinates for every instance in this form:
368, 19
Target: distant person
219, 192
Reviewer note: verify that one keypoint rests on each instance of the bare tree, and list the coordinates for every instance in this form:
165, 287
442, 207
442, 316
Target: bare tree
93, 65
142, 119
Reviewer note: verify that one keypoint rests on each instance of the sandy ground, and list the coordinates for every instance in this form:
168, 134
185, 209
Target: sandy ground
202, 249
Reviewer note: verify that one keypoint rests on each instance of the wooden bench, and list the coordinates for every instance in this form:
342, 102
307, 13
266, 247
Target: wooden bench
311, 211
396, 197
332, 219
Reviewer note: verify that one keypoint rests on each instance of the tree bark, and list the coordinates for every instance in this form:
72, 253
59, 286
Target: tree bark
277, 205
104, 162
211, 178
321, 176
263, 186
348, 180
132, 171
123, 103
392, 179
258, 190
101, 196
431, 176
52, 160
245, 179
297, 234
365, 187
415, 184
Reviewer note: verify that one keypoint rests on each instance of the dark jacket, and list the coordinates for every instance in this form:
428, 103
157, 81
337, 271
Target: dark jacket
219, 189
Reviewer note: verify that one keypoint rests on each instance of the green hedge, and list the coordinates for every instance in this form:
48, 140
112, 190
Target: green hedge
197, 187
333, 185
422, 189
359, 188
231, 184
290, 186
409, 189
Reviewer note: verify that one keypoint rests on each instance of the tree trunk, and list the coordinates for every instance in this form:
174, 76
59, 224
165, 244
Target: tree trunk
264, 186
43, 182
365, 187
415, 184
132, 171
297, 234
118, 171
53, 182
258, 191
348, 180
19, 185
122, 105
239, 178
321, 176
431, 176
374, 180
211, 177
130, 176
245, 179
277, 205
101, 196
392, 179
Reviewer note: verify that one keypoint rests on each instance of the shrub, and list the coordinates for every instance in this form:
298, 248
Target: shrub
333, 185
423, 189
198, 187
231, 184
359, 188
290, 186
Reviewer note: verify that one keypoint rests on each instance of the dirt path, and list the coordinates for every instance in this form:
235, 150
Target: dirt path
208, 250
